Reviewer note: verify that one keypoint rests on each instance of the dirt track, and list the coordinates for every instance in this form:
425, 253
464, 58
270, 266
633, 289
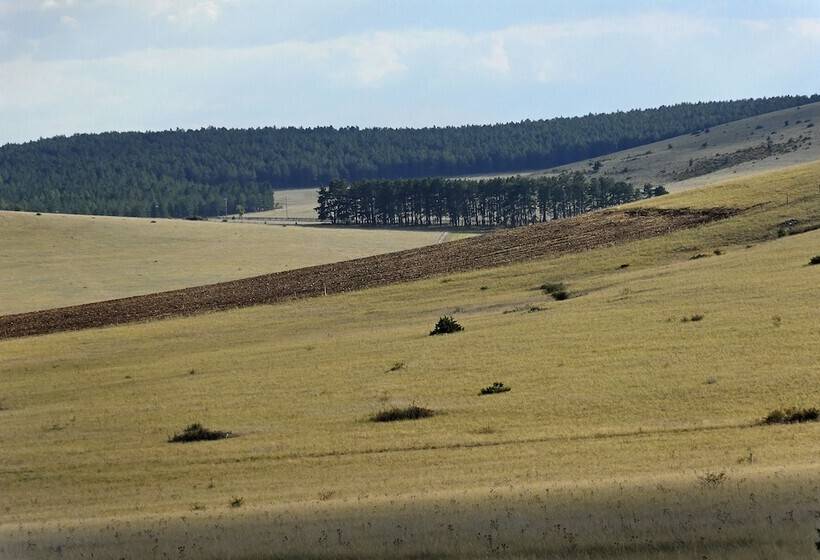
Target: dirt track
548, 239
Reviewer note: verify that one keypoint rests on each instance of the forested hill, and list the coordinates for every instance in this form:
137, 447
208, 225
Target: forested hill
185, 172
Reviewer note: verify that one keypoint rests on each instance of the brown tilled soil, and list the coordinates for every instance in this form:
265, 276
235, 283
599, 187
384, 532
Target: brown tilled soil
585, 232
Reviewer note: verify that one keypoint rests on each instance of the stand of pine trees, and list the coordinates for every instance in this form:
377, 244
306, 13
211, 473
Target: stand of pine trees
512, 201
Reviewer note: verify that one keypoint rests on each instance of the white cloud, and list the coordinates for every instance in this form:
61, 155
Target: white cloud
68, 21
807, 27
144, 87
56, 4
185, 13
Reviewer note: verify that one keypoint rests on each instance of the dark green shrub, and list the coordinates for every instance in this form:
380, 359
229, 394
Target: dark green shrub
814, 260
693, 318
496, 387
557, 290
560, 295
792, 416
446, 325
550, 287
396, 413
197, 432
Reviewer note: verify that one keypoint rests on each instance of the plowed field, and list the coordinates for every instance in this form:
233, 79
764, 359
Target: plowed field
499, 248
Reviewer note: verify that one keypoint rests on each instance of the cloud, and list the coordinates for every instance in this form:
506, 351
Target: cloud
424, 70
68, 21
184, 13
808, 28
57, 4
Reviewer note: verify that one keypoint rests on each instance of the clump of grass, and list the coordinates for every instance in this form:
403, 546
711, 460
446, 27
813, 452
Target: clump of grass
397, 413
496, 387
717, 252
237, 501
485, 430
483, 288
446, 325
625, 265
792, 415
698, 256
560, 295
552, 287
557, 290
197, 432
325, 495
396, 367
693, 318
712, 479
814, 260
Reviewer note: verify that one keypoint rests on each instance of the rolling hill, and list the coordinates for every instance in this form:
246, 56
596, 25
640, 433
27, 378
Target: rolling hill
757, 144
631, 427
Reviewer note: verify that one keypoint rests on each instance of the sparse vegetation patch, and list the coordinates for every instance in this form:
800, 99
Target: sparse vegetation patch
814, 260
493, 389
557, 290
396, 413
197, 432
792, 416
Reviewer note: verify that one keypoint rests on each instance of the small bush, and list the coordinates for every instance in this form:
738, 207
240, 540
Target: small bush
552, 287
396, 413
814, 260
396, 367
560, 295
693, 318
698, 256
625, 265
197, 432
237, 501
792, 416
495, 388
446, 325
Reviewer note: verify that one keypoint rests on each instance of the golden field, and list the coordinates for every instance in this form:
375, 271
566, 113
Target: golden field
620, 413
55, 260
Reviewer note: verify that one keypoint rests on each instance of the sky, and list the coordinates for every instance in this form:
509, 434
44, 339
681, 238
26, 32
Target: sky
71, 66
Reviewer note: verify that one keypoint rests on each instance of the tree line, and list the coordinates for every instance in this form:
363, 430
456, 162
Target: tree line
511, 201
183, 172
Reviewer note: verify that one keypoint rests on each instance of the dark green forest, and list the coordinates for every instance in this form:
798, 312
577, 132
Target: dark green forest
192, 172
511, 201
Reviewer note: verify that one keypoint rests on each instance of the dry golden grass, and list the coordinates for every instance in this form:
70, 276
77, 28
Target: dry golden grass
609, 385
58, 260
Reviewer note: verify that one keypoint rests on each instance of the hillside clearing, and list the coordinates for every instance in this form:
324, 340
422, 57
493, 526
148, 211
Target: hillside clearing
730, 151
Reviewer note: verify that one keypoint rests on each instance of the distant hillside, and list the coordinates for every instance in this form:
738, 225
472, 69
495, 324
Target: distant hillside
761, 143
179, 173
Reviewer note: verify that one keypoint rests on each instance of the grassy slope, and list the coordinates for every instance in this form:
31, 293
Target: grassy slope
642, 167
57, 260
608, 385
